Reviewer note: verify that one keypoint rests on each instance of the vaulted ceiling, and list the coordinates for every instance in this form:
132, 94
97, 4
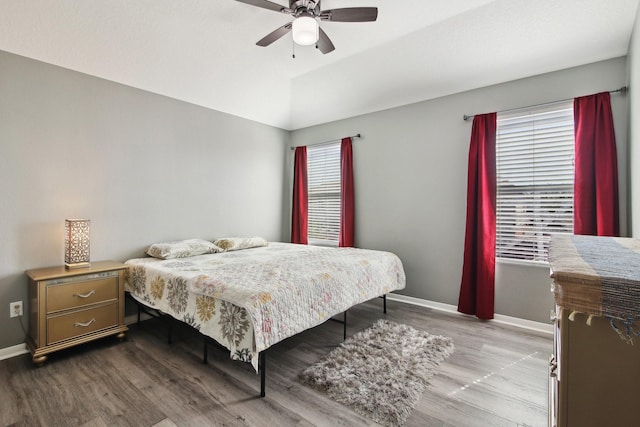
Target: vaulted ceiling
204, 52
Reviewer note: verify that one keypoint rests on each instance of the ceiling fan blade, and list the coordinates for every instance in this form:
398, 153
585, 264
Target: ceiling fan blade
274, 35
350, 14
264, 4
324, 43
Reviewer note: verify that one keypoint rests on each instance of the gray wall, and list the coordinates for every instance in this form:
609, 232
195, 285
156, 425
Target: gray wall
142, 167
634, 127
410, 181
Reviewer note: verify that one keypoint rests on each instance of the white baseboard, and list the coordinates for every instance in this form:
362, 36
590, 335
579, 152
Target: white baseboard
498, 318
13, 351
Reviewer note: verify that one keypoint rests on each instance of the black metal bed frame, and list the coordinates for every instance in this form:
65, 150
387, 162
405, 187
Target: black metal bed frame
262, 356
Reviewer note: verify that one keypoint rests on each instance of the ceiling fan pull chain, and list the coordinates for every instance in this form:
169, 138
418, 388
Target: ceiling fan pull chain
293, 49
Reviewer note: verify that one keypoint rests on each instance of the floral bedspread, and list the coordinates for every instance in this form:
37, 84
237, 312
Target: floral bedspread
250, 299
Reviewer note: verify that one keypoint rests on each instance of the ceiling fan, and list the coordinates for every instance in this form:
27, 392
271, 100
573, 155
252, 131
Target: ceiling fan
305, 27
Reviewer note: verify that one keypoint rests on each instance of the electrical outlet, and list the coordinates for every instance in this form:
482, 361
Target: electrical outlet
15, 309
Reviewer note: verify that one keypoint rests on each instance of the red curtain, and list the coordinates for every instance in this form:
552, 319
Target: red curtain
478, 271
596, 168
347, 209
299, 220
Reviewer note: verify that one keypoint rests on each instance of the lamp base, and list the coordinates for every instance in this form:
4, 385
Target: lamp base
75, 265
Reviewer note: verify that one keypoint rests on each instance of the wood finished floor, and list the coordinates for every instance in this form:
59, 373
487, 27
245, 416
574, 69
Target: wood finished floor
497, 376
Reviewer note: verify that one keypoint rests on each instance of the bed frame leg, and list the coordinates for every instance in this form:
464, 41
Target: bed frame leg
344, 326
384, 303
205, 351
262, 364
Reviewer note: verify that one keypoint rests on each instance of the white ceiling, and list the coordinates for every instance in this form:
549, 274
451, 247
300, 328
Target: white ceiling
204, 52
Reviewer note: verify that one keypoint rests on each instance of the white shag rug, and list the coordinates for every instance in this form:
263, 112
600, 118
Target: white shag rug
382, 371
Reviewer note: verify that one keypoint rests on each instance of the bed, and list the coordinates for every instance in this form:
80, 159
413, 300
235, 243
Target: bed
249, 294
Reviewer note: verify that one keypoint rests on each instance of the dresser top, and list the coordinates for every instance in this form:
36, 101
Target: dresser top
60, 271
595, 275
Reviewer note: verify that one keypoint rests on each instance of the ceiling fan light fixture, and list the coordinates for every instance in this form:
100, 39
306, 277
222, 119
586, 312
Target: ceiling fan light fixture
305, 30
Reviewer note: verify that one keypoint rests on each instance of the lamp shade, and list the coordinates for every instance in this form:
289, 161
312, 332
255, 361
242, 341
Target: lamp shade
76, 243
305, 30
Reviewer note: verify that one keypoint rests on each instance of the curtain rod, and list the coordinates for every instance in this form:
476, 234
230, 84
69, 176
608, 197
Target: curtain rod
623, 91
333, 140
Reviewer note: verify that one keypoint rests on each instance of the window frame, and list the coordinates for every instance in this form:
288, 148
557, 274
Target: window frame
324, 194
535, 152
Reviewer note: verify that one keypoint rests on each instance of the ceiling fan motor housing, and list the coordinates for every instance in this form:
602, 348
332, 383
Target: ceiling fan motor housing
298, 7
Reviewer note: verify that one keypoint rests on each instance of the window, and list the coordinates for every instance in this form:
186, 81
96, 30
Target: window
535, 174
323, 181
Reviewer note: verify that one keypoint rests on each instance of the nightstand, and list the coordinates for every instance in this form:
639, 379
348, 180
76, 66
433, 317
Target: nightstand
71, 307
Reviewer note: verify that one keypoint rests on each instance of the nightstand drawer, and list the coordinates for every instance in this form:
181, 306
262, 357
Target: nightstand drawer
71, 295
71, 325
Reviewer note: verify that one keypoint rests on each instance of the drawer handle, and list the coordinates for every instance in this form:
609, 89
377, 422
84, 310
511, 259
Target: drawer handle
553, 366
87, 295
84, 324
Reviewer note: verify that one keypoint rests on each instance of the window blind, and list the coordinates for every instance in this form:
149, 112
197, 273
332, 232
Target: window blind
323, 181
535, 175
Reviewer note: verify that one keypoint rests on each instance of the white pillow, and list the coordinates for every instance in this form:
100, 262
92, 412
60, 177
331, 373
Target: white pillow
236, 243
182, 248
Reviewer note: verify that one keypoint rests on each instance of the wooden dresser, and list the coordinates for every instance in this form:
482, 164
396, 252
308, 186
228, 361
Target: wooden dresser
596, 380
594, 370
71, 307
